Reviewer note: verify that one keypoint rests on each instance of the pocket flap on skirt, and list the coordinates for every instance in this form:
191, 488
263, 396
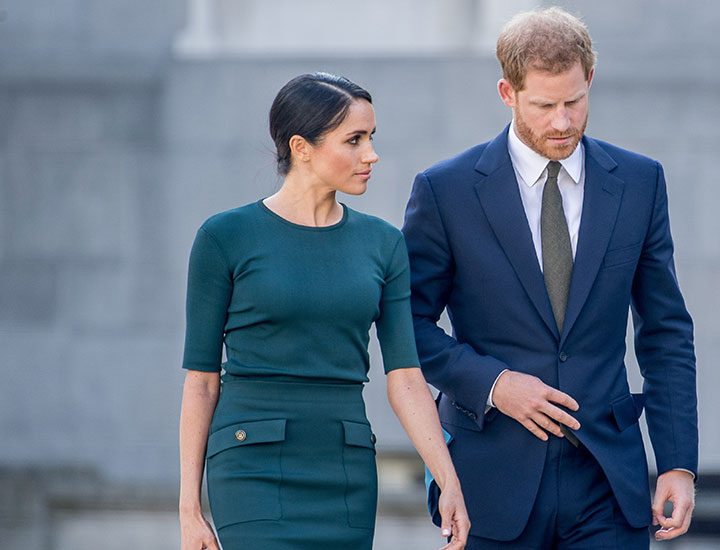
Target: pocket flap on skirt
358, 434
246, 433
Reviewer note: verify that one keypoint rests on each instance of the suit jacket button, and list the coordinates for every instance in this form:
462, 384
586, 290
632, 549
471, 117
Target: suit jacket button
563, 356
373, 439
240, 435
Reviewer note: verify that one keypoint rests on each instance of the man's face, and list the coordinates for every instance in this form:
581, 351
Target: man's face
551, 111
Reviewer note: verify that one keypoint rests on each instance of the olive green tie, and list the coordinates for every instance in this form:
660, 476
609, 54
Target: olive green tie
557, 256
556, 249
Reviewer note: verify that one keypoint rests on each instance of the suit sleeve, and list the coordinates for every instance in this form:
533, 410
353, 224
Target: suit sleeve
454, 368
664, 346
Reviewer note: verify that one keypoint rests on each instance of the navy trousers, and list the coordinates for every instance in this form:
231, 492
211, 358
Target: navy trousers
575, 509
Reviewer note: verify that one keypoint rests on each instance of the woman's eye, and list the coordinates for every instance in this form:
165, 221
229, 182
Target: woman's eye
354, 140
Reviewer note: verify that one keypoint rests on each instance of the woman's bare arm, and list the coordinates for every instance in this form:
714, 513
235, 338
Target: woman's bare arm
413, 404
200, 396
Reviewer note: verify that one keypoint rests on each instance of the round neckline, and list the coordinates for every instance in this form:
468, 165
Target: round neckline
279, 218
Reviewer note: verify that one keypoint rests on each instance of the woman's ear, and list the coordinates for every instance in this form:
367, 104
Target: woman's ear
299, 148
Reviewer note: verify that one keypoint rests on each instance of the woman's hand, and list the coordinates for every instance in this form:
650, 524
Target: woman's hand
197, 534
455, 520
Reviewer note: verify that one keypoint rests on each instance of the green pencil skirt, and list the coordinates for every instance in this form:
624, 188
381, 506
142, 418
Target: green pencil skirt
291, 466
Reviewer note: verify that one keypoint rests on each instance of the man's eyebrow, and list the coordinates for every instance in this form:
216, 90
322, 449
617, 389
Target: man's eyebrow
544, 101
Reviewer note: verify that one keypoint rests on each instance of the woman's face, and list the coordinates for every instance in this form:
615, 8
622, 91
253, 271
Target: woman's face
343, 158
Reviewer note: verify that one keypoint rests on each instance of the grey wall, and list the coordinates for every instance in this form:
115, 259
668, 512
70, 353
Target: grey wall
113, 151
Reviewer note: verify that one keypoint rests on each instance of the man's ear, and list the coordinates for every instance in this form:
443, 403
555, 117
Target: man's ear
299, 148
590, 76
507, 92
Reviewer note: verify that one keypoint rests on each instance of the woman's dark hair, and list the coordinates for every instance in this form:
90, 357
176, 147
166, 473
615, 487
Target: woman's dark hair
310, 105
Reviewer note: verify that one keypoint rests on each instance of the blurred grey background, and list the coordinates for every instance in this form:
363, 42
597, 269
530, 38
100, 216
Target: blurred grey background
124, 125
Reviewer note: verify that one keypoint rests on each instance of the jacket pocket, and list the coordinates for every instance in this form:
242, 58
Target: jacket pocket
244, 473
627, 409
624, 255
360, 474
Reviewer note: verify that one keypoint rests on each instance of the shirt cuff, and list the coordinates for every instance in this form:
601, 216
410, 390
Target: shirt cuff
683, 470
489, 405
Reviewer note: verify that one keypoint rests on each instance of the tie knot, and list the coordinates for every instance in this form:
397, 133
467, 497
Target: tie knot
553, 169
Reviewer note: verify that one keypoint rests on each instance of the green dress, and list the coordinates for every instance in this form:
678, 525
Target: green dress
291, 456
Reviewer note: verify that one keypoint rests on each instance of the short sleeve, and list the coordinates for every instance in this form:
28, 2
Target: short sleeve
208, 296
394, 324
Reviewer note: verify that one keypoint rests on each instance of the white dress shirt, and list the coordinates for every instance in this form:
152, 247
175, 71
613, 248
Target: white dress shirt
531, 173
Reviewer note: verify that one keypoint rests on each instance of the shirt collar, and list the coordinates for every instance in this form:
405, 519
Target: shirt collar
530, 165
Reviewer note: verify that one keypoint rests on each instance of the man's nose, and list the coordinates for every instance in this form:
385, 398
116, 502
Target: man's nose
561, 120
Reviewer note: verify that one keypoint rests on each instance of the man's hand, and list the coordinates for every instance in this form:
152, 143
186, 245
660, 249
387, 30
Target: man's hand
530, 401
675, 486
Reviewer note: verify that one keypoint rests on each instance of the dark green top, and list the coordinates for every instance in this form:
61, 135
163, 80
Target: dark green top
293, 300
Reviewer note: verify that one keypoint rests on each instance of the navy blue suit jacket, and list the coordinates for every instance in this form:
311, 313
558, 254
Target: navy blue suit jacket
471, 251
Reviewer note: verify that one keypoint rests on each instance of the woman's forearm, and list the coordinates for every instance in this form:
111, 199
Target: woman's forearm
413, 404
200, 395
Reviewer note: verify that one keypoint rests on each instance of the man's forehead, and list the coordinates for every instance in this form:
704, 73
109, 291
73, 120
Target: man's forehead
570, 84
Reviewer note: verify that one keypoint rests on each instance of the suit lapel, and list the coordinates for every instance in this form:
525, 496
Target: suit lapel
500, 199
601, 203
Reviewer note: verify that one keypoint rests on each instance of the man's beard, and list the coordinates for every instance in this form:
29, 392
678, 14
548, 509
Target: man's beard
540, 145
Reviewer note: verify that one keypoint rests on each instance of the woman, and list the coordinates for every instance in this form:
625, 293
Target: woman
291, 285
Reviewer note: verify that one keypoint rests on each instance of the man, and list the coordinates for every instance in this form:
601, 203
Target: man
537, 243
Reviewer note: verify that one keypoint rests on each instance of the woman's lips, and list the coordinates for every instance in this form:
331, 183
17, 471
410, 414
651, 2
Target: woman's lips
365, 174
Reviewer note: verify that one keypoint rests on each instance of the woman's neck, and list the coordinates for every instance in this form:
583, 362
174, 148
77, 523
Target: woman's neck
305, 204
